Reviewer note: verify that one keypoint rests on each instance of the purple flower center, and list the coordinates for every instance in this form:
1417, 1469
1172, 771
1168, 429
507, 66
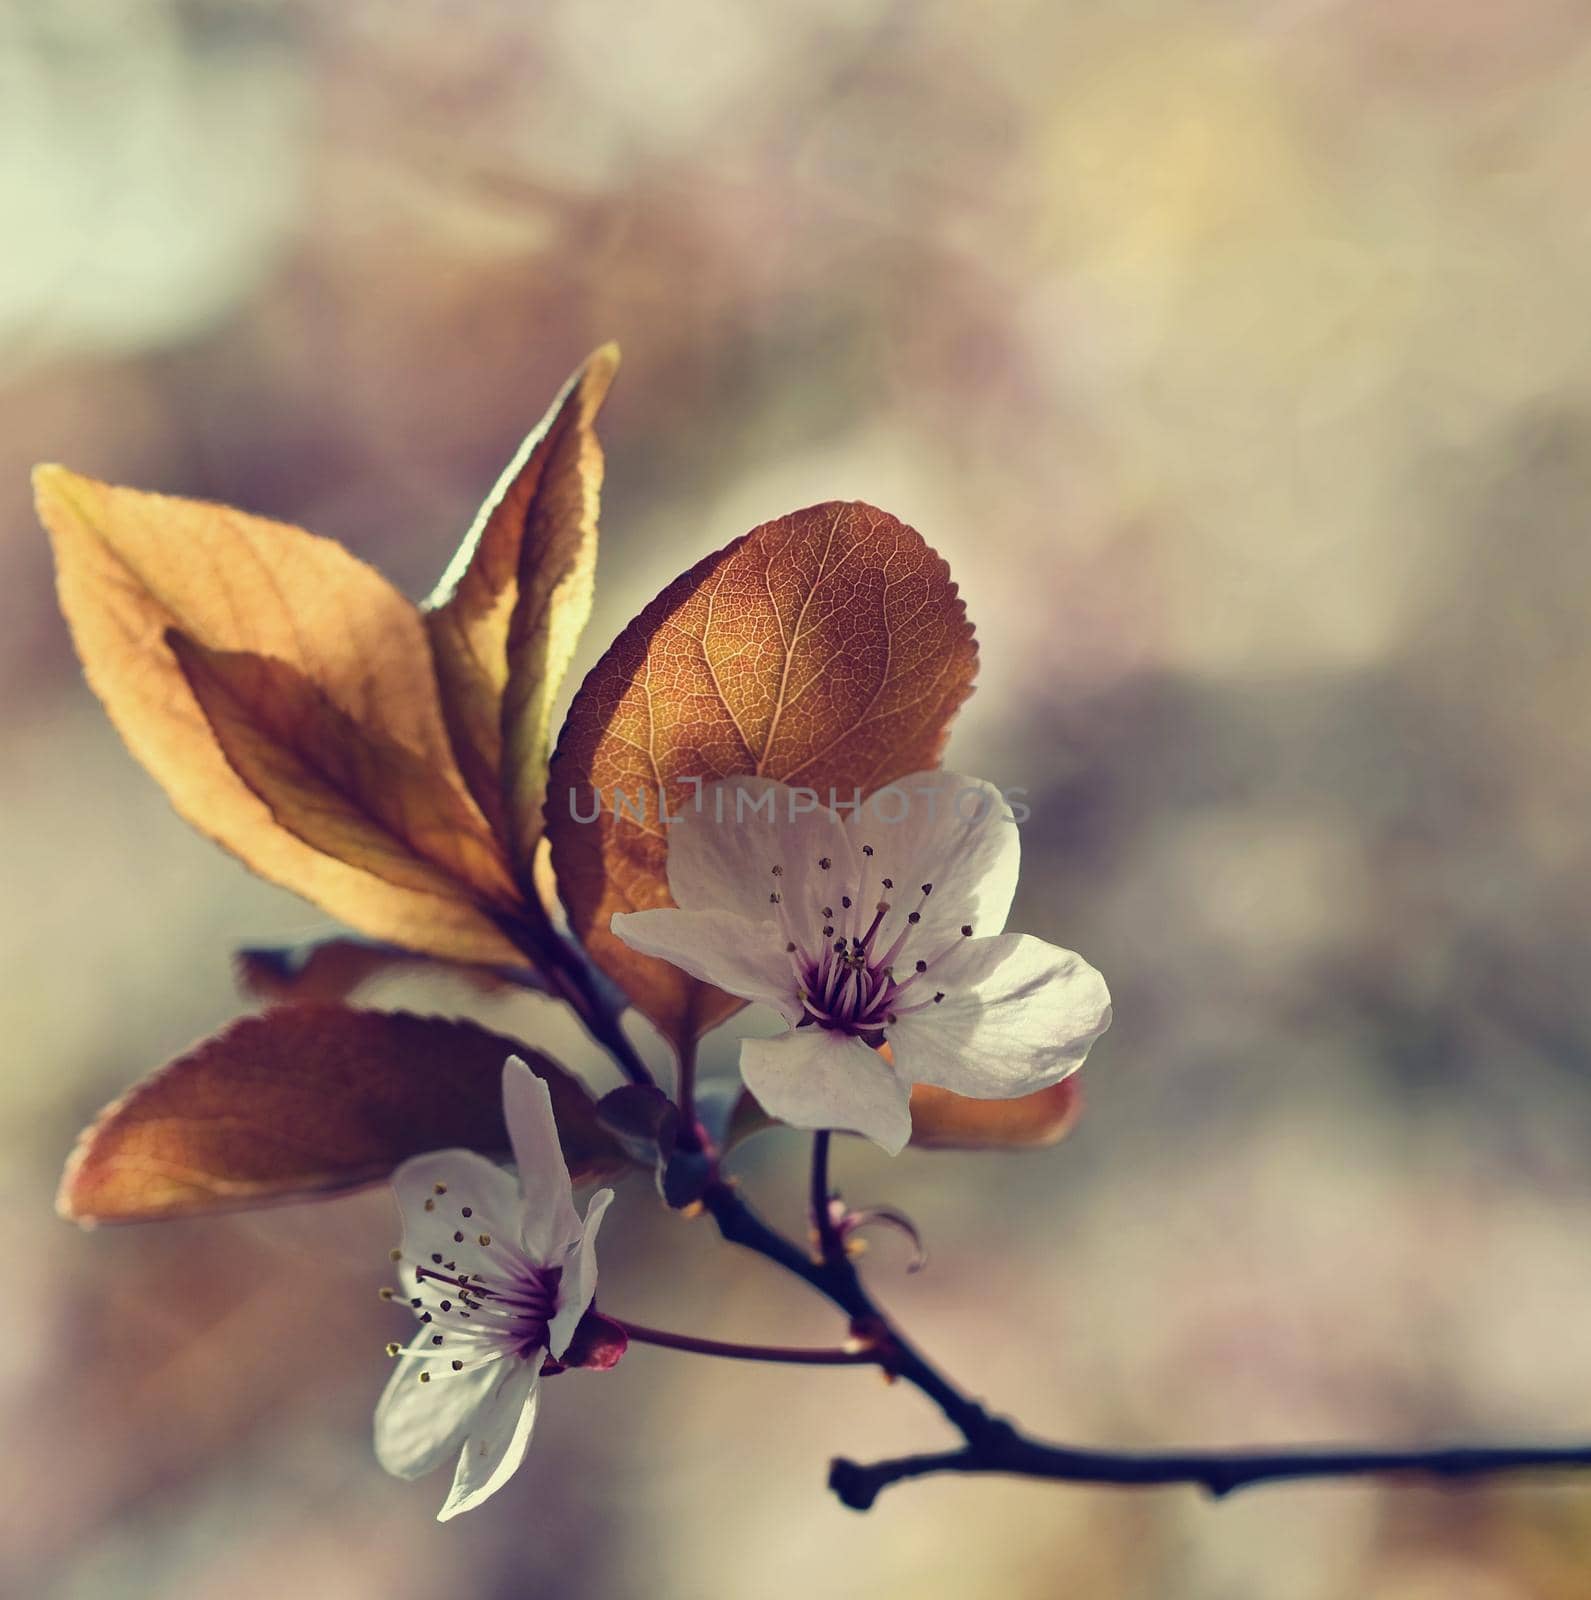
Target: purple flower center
510, 1309
848, 981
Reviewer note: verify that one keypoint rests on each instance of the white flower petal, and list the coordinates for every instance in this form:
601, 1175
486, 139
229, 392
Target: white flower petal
547, 1220
721, 857
431, 1219
814, 1078
746, 958
419, 1425
1018, 1015
499, 1437
579, 1283
949, 830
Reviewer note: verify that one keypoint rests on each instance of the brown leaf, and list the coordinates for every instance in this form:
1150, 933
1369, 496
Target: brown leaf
363, 799
131, 565
506, 617
332, 969
305, 1101
828, 649
945, 1121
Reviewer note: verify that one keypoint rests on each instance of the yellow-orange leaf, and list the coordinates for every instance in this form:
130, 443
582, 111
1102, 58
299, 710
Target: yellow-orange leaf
945, 1121
828, 649
132, 565
305, 1101
360, 798
333, 969
508, 613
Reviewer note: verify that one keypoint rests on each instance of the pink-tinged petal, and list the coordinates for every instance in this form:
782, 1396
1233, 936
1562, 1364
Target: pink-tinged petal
419, 1425
949, 830
814, 1078
721, 857
497, 1442
746, 958
548, 1219
1017, 1015
579, 1283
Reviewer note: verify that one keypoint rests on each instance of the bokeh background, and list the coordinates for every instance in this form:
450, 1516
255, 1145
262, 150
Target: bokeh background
1235, 352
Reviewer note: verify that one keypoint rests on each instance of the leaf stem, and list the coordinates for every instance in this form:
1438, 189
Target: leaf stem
568, 971
790, 1355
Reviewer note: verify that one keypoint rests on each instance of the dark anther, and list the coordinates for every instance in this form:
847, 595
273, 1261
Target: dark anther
889, 883
922, 966
867, 849
914, 917
966, 930
825, 863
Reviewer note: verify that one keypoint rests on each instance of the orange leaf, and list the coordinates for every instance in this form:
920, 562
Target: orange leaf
361, 798
332, 969
508, 613
828, 649
945, 1121
131, 565
305, 1101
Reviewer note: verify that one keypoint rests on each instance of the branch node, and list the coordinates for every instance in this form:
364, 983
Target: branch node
853, 1484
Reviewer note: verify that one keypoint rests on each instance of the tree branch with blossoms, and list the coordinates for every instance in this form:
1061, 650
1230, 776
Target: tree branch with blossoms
744, 805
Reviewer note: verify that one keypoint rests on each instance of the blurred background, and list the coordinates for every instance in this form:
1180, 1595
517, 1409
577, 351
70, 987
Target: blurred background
1235, 353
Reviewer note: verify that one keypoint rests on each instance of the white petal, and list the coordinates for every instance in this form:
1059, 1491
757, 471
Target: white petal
721, 857
579, 1283
419, 1425
746, 958
949, 830
816, 1078
548, 1219
1018, 1015
466, 1179
498, 1439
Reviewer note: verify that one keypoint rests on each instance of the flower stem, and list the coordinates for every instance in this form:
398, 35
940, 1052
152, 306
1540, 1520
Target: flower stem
685, 1094
830, 1244
790, 1355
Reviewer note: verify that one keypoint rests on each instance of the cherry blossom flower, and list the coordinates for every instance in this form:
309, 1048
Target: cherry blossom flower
884, 928
501, 1276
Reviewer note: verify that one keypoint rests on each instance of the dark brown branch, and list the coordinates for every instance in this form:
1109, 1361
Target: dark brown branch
1218, 1473
994, 1446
